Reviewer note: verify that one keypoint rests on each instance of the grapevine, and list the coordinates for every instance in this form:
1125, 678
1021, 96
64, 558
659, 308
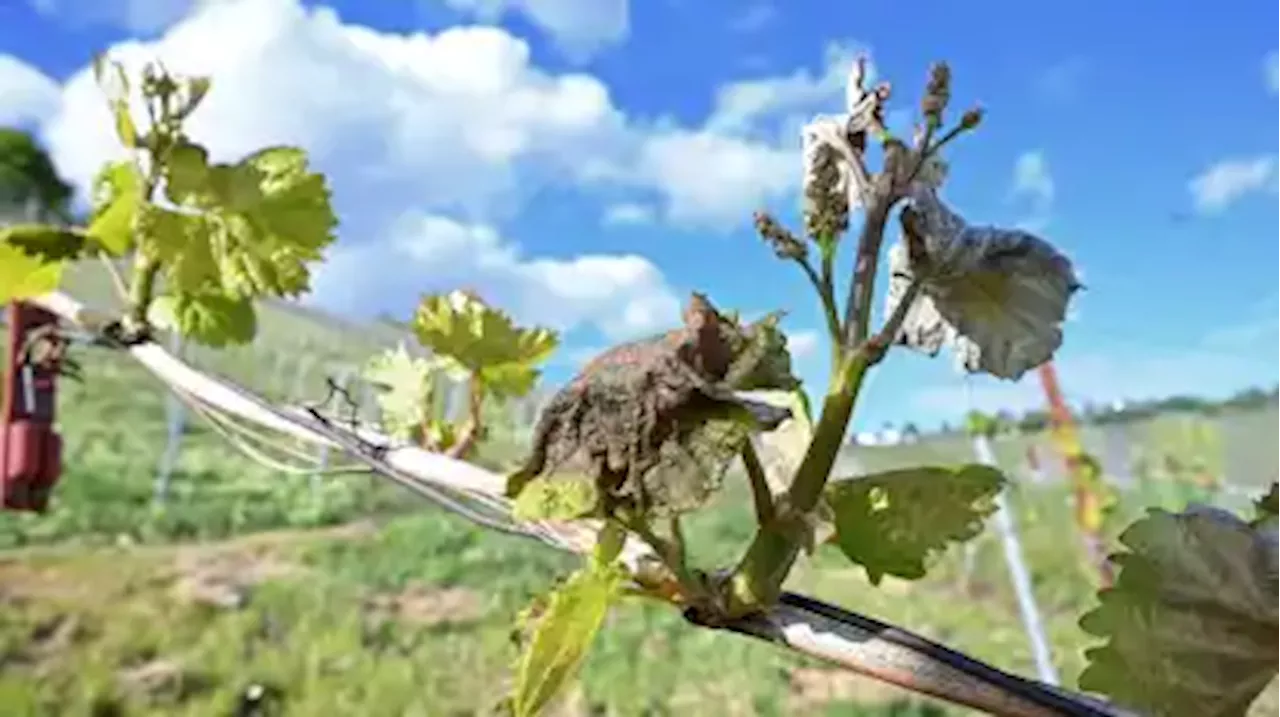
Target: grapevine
647, 432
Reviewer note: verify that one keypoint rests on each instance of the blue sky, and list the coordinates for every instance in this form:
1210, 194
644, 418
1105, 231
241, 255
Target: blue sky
587, 163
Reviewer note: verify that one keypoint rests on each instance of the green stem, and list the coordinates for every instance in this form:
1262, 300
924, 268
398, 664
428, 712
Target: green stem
142, 290
759, 576
823, 286
761, 496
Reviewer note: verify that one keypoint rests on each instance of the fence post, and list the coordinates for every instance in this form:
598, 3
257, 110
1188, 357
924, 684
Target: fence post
1018, 574
175, 422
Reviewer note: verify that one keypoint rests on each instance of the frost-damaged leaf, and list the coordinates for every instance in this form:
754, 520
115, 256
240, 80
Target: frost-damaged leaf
560, 497
406, 385
485, 341
998, 297
655, 422
23, 276
117, 200
211, 319
565, 629
1191, 621
261, 220
890, 523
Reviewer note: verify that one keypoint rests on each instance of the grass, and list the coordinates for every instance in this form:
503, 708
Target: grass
353, 600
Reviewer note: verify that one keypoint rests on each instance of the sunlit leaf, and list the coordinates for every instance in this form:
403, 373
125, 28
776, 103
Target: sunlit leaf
557, 497
23, 276
211, 319
563, 633
117, 200
1191, 622
264, 219
484, 340
890, 523
193, 91
405, 387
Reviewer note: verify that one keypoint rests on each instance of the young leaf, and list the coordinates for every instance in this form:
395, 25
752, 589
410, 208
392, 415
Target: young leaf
211, 319
23, 276
563, 633
113, 81
556, 497
116, 202
1267, 507
484, 340
1191, 621
261, 220
405, 385
890, 523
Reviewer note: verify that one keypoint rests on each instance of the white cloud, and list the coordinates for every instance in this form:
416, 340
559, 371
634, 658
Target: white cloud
140, 16
1033, 183
1222, 184
802, 343
1271, 67
627, 214
458, 126
581, 28
28, 96
741, 106
622, 295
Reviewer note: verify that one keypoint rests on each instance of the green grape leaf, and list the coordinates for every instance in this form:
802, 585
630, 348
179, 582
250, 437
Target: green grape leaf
1191, 623
180, 242
563, 633
556, 497
263, 219
484, 340
45, 242
117, 199
113, 81
211, 319
891, 522
406, 385
23, 276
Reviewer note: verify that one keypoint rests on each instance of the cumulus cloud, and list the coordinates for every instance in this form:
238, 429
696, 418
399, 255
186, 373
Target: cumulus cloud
1033, 184
622, 295
1224, 183
140, 16
627, 214
1271, 68
459, 126
802, 343
580, 28
28, 96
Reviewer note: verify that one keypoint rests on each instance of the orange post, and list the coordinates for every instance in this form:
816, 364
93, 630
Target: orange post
1084, 473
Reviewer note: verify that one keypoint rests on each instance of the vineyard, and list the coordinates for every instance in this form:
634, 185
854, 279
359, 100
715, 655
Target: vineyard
354, 596
234, 533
